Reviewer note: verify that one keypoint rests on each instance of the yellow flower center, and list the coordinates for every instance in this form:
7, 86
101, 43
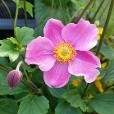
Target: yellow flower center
64, 52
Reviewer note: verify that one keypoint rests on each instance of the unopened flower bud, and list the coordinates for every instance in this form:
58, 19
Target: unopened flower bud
14, 77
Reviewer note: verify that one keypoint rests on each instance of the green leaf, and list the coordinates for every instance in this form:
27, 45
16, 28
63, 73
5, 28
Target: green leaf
75, 100
29, 7
107, 51
16, 1
61, 10
65, 108
4, 62
109, 72
13, 40
103, 103
8, 106
110, 29
24, 35
57, 92
34, 105
4, 88
7, 49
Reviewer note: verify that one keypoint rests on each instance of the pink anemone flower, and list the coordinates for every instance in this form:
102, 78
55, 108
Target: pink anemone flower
64, 50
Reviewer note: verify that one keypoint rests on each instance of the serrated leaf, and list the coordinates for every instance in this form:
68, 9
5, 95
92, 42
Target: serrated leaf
109, 72
57, 92
75, 100
4, 88
103, 103
8, 106
13, 40
65, 108
7, 49
34, 105
24, 35
29, 7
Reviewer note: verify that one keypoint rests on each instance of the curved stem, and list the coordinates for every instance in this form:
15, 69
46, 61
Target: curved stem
98, 10
105, 26
19, 64
85, 9
7, 9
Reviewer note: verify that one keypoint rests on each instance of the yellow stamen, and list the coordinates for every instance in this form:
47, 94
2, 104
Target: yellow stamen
64, 52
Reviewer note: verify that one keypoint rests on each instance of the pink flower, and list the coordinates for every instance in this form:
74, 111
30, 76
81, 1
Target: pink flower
64, 50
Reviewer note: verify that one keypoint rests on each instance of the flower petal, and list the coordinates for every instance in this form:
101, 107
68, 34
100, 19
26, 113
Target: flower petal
85, 64
58, 76
40, 52
83, 36
52, 30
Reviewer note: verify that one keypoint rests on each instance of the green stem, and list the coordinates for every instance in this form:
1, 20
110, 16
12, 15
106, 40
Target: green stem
85, 9
16, 16
19, 64
28, 79
92, 7
105, 26
98, 10
7, 9
25, 13
85, 90
4, 68
29, 85
51, 11
62, 12
75, 14
103, 11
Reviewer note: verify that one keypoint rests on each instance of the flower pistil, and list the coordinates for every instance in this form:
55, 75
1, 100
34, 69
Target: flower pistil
64, 52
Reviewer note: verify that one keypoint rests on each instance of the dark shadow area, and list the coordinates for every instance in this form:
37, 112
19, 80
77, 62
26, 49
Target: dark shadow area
6, 23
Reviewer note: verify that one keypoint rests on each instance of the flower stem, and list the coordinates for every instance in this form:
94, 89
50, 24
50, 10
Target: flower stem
16, 16
85, 9
25, 13
103, 11
75, 14
85, 90
7, 9
19, 64
92, 7
28, 79
98, 10
105, 26
51, 10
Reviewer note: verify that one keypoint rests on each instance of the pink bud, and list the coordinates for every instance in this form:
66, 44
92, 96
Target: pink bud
14, 77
